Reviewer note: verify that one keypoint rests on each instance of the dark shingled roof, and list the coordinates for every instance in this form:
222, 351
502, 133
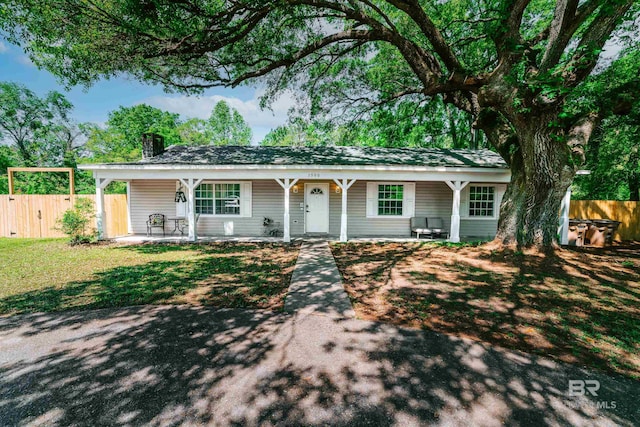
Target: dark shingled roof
328, 156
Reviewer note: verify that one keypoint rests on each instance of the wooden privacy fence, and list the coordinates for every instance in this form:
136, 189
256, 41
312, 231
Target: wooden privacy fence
36, 215
628, 213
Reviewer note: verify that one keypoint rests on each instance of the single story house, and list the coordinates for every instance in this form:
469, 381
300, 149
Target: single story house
333, 191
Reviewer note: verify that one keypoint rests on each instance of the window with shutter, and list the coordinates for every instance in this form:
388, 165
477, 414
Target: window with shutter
390, 199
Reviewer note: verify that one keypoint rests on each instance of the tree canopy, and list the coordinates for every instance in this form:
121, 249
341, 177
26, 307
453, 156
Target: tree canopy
226, 126
512, 65
613, 154
120, 139
39, 131
39, 128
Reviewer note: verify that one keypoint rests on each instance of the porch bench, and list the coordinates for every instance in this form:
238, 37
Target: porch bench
430, 227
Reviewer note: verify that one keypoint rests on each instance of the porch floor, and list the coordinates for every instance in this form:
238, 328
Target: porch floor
142, 238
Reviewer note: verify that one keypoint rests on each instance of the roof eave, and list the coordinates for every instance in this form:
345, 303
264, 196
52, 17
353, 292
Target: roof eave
187, 167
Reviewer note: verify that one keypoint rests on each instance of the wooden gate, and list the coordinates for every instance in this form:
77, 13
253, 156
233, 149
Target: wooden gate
36, 215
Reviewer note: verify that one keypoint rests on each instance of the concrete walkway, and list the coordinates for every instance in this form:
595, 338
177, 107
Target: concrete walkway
316, 285
170, 366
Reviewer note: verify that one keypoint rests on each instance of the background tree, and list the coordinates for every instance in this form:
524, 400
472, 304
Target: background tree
6, 155
226, 126
120, 139
39, 129
613, 154
194, 132
299, 132
511, 64
430, 123
405, 124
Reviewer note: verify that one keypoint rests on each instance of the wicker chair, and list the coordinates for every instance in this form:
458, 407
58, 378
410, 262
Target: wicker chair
155, 220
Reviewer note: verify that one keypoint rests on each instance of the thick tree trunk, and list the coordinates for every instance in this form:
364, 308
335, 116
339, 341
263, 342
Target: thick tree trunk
540, 176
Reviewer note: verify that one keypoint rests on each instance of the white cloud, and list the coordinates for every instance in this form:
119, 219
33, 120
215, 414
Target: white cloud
25, 60
3, 48
195, 106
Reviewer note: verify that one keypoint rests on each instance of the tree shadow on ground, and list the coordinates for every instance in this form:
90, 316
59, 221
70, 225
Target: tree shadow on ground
225, 275
185, 365
578, 306
208, 248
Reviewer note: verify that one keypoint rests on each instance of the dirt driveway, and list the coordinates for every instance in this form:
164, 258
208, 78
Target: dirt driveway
185, 365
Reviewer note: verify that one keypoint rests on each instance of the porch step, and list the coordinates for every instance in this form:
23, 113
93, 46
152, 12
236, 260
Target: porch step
316, 285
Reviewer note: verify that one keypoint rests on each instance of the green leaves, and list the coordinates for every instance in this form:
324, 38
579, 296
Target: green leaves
38, 128
227, 127
75, 222
613, 154
120, 140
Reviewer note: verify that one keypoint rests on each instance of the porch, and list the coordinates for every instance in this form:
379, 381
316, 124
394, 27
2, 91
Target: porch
143, 238
337, 209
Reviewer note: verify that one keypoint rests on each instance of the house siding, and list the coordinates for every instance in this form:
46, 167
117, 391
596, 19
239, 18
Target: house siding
148, 197
158, 197
432, 199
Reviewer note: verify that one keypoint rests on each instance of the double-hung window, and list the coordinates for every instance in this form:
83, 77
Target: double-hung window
227, 199
224, 198
390, 199
481, 201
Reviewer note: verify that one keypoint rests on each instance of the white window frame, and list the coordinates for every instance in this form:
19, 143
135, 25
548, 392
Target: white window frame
497, 197
244, 199
408, 199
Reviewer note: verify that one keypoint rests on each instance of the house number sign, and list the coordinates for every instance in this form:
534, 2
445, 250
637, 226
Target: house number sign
313, 175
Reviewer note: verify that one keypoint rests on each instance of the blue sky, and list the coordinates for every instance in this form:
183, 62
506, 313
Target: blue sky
94, 104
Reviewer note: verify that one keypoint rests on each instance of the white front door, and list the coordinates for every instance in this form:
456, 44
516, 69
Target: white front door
316, 218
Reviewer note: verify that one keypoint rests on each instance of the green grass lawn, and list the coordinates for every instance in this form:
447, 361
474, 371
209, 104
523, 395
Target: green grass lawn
48, 275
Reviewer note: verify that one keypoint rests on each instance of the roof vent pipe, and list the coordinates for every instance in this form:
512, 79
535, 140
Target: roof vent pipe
152, 145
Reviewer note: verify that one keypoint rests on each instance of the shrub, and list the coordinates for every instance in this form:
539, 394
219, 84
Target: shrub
75, 222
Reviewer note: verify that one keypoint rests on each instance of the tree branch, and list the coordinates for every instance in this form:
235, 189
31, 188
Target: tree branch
579, 135
595, 36
507, 39
413, 9
500, 133
567, 19
367, 35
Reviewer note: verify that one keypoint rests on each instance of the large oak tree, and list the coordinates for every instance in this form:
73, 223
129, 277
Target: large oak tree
511, 64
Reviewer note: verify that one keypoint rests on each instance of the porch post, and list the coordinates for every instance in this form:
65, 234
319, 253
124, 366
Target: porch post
101, 183
191, 211
191, 185
563, 229
286, 185
344, 185
99, 211
287, 226
129, 223
456, 187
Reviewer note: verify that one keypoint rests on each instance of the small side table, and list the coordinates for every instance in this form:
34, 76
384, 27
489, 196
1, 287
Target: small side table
179, 224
